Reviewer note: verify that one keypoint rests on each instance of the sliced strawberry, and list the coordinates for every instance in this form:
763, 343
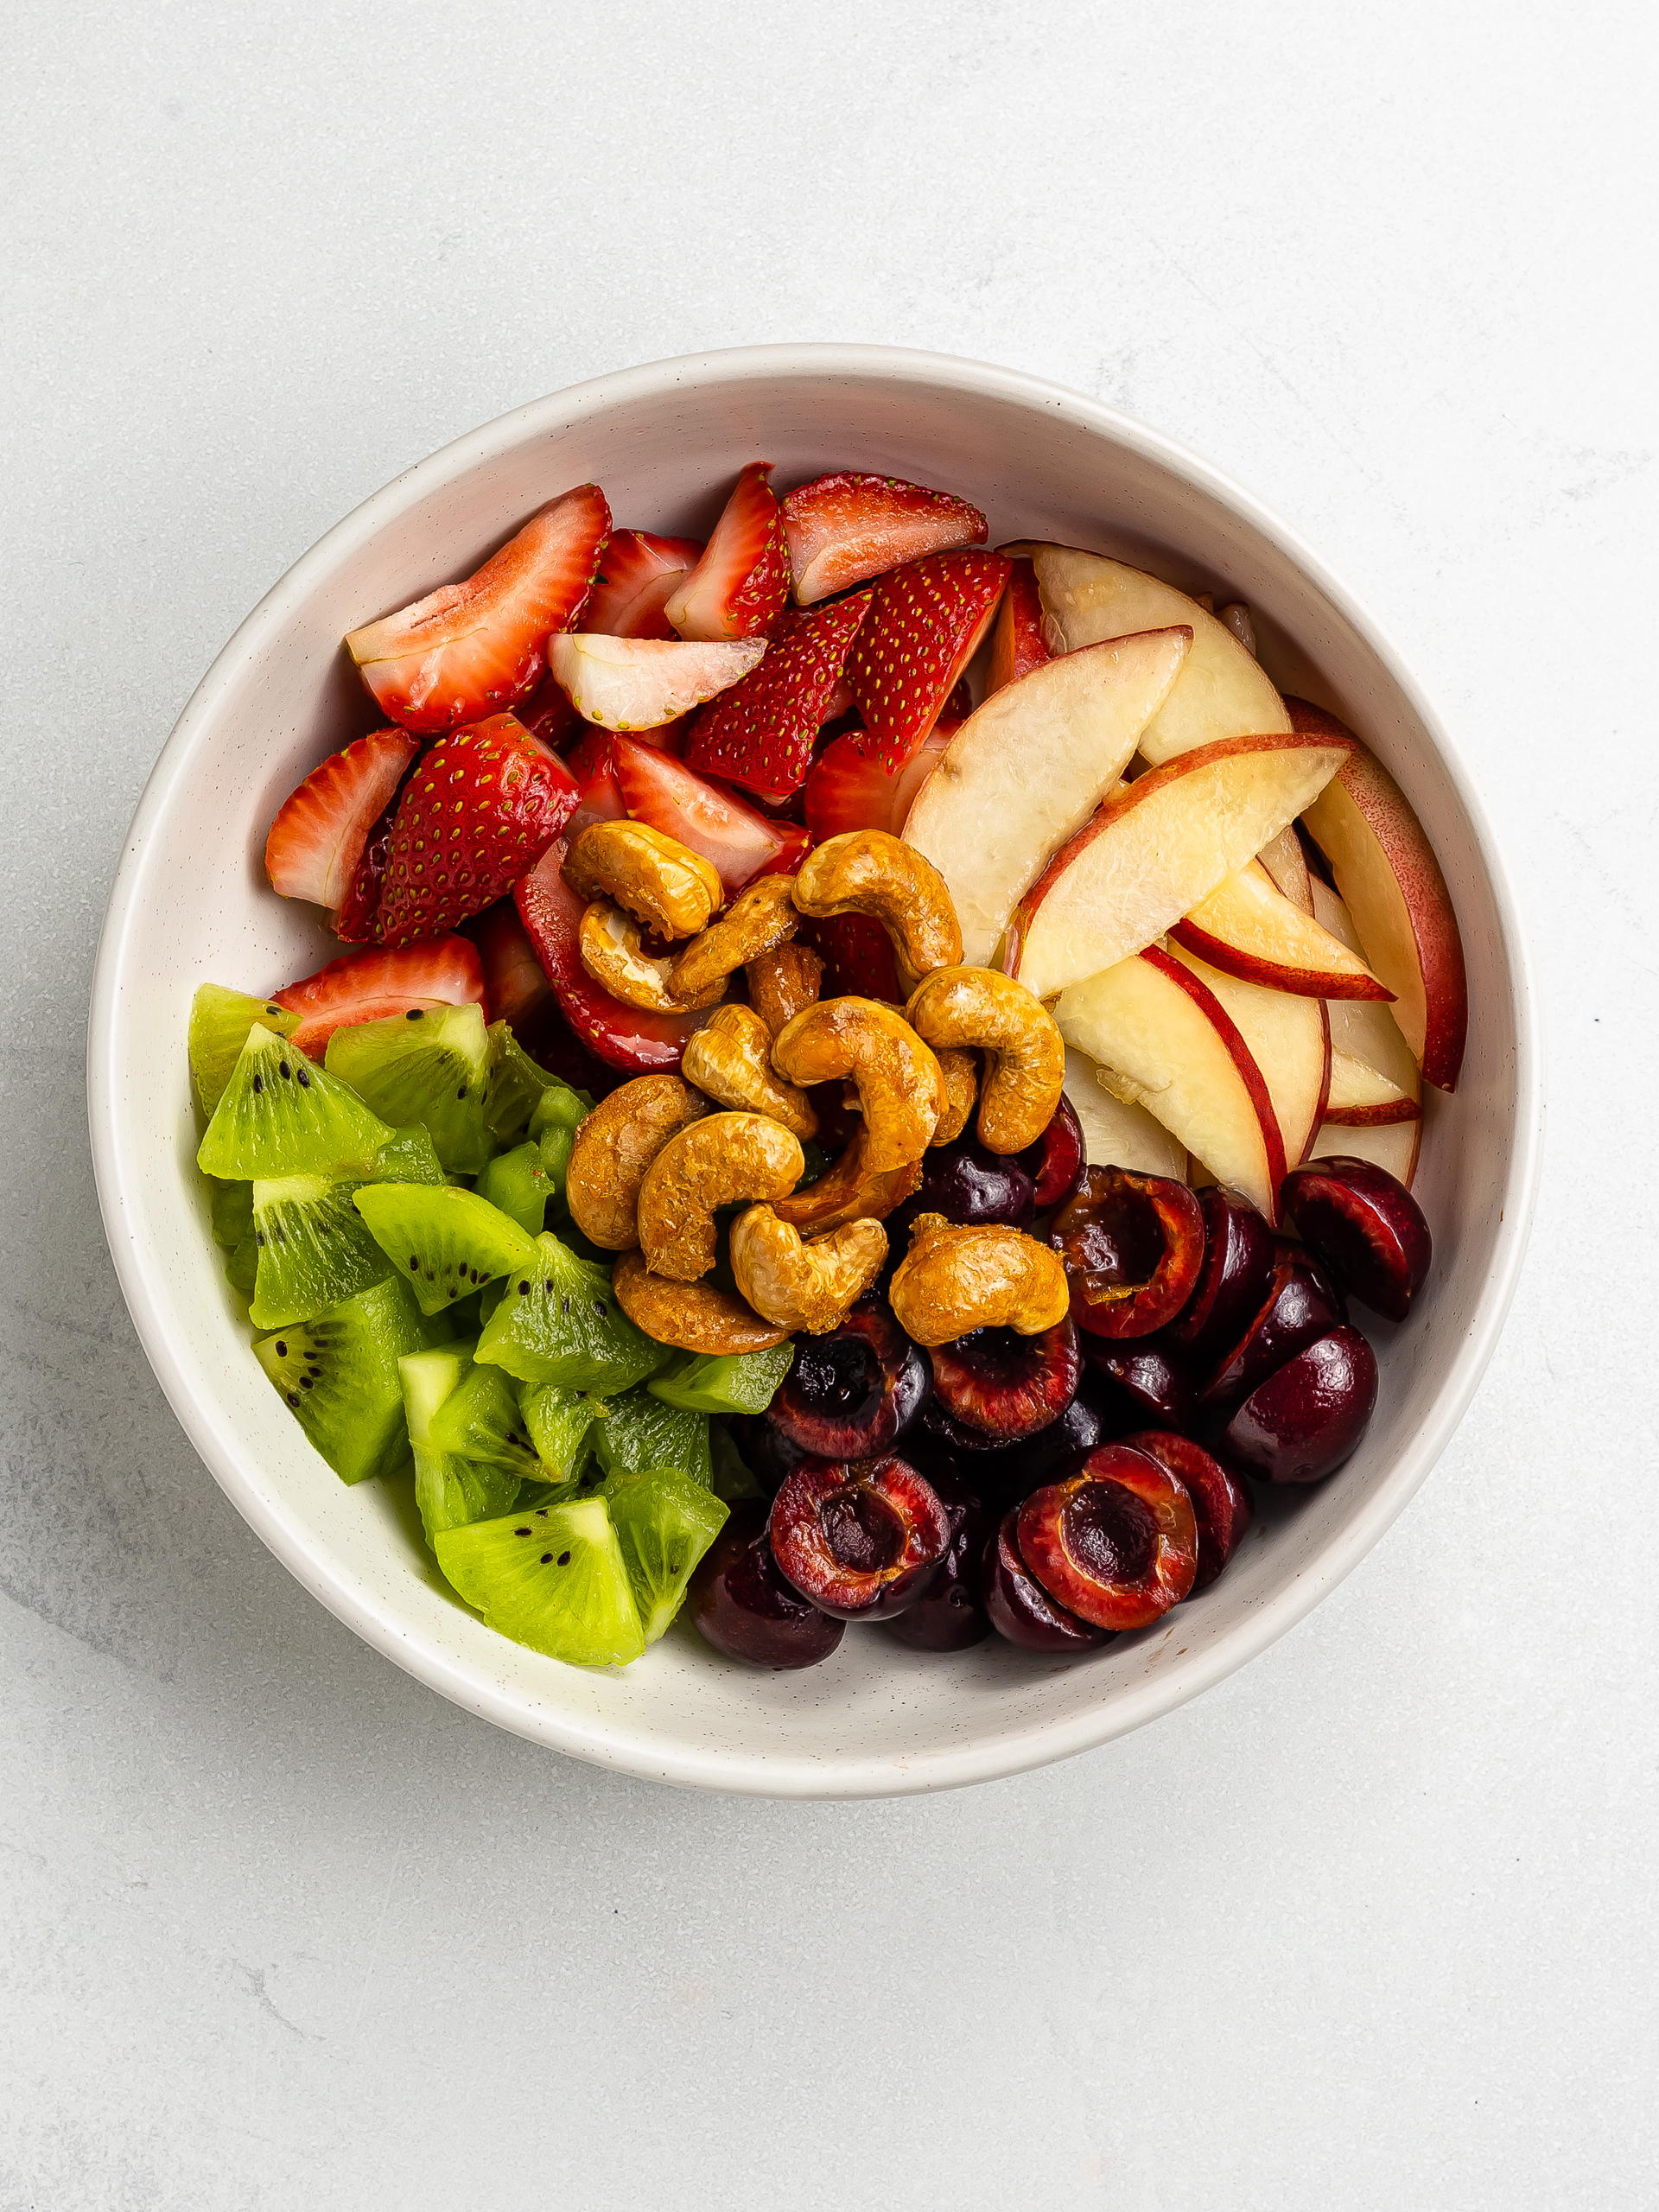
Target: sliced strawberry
1017, 645
850, 789
354, 922
369, 986
637, 572
857, 956
711, 820
741, 583
515, 986
468, 649
924, 625
318, 837
642, 683
548, 716
761, 733
623, 1036
847, 526
478, 812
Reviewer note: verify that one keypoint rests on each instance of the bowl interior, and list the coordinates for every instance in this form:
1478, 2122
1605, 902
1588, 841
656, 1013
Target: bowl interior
191, 904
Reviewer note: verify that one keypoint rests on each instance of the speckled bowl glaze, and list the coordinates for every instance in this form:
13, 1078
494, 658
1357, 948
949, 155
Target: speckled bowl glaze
190, 903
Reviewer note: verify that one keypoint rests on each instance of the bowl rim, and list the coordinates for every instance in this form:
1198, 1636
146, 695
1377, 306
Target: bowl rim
621, 1746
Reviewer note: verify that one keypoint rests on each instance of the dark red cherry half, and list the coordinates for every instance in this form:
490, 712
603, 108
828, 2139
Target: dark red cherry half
1055, 1162
1004, 1384
858, 1538
1299, 1307
1154, 1385
853, 1391
1300, 1424
1367, 1228
745, 1608
1021, 1609
950, 1615
1238, 1257
1221, 1503
1116, 1543
1133, 1246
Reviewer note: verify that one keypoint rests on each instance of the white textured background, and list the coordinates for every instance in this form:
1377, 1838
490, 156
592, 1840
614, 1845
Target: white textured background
1371, 1925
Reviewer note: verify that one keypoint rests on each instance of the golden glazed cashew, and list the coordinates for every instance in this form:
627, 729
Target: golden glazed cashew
758, 919
960, 1075
850, 1192
867, 872
608, 941
691, 1316
669, 888
805, 1286
1026, 1054
730, 1058
894, 1072
716, 1162
614, 1146
952, 1280
782, 982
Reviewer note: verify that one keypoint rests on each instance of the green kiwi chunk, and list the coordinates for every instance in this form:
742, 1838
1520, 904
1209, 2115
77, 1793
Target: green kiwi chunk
642, 1432
480, 1420
315, 1248
553, 1577
219, 1022
233, 1212
442, 1243
728, 1383
408, 1156
561, 1423
517, 1182
242, 1266
449, 1491
664, 1524
429, 1066
281, 1114
515, 1085
338, 1372
558, 1321
559, 1114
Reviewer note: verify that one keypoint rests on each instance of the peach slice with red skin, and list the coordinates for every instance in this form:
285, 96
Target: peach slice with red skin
1289, 1039
1248, 928
1116, 1543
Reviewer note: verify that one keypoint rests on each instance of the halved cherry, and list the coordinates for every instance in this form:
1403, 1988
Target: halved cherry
371, 985
1116, 1543
1297, 1307
1133, 1246
1056, 1160
1221, 1503
711, 820
1367, 1228
950, 1615
470, 650
1304, 1419
859, 1538
855, 1390
1097, 1414
742, 580
624, 1036
638, 571
1006, 1384
1020, 1608
1147, 1382
745, 1607
1238, 1257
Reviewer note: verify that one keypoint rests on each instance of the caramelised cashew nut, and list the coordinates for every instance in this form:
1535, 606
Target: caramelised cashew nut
718, 1162
897, 1077
614, 1146
782, 982
848, 1191
730, 1058
867, 872
959, 1072
608, 941
803, 1286
1025, 1066
758, 919
669, 888
952, 1280
691, 1316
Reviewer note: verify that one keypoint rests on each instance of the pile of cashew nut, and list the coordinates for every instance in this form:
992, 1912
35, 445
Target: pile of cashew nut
655, 1162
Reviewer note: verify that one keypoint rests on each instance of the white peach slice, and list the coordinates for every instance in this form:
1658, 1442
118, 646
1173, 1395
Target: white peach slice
1164, 1041
1394, 1146
1387, 872
1029, 767
1361, 1029
1152, 852
1283, 858
1360, 1097
1248, 928
1116, 1134
1289, 1038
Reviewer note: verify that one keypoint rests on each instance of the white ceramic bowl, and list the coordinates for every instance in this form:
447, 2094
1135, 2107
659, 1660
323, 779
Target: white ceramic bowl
190, 904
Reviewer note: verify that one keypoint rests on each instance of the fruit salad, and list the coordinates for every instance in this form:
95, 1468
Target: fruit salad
866, 1078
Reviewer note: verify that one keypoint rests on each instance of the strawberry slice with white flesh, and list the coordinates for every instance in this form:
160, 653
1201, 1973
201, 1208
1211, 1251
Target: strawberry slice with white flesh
760, 734
470, 650
623, 1036
851, 789
1017, 645
370, 986
642, 683
320, 830
844, 527
637, 572
478, 813
742, 580
665, 795
924, 624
